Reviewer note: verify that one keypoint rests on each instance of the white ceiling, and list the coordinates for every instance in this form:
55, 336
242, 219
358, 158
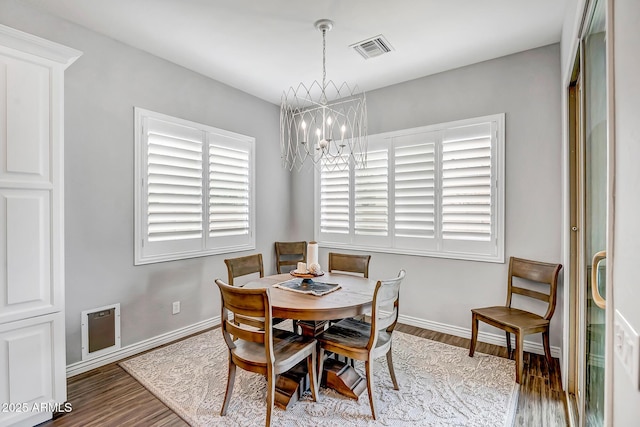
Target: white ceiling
265, 46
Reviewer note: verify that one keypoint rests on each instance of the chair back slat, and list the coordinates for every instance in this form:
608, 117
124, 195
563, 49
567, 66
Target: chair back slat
246, 302
535, 271
387, 293
243, 332
241, 266
386, 319
289, 254
349, 263
248, 310
529, 293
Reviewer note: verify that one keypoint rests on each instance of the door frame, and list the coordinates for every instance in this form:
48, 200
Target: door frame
572, 338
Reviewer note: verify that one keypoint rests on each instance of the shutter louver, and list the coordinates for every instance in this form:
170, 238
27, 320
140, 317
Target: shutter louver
372, 195
229, 191
174, 187
467, 183
334, 200
415, 191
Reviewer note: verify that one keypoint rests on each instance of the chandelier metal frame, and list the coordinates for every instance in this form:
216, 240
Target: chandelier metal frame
323, 123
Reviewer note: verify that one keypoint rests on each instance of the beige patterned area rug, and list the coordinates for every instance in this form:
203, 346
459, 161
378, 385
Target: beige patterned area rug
440, 385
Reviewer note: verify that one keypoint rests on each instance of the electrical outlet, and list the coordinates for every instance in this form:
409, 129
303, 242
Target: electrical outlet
626, 344
176, 307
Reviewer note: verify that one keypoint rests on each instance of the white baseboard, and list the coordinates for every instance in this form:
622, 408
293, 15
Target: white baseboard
486, 337
133, 349
139, 347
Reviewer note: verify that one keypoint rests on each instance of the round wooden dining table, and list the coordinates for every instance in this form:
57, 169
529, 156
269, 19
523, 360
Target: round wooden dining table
354, 297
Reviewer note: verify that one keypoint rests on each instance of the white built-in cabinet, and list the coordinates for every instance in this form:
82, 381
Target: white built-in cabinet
32, 335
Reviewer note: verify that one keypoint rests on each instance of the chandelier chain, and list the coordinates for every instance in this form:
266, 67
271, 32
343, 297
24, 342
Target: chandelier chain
324, 63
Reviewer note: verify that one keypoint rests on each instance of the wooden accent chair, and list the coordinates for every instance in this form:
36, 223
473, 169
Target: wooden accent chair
349, 263
266, 351
241, 266
517, 321
288, 254
356, 339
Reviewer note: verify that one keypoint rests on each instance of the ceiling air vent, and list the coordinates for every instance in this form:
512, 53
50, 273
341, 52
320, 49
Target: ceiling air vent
372, 47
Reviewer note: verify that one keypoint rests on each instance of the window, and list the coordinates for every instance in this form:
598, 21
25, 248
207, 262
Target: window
194, 189
433, 191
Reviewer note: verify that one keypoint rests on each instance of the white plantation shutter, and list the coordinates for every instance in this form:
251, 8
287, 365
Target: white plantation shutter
436, 191
468, 188
371, 205
466, 183
229, 190
174, 187
414, 191
187, 204
334, 203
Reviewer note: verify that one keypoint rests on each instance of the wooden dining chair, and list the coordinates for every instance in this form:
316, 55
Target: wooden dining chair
356, 339
521, 322
349, 263
266, 351
243, 266
288, 254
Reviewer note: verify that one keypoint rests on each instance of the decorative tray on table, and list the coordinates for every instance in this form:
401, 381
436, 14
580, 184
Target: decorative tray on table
305, 274
305, 285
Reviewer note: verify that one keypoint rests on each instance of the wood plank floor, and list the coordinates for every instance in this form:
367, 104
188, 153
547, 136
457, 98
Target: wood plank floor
108, 396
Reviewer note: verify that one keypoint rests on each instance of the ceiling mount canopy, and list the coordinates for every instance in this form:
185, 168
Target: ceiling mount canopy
323, 123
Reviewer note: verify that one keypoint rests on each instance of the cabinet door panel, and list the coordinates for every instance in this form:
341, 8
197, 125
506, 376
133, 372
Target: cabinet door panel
25, 103
27, 354
25, 254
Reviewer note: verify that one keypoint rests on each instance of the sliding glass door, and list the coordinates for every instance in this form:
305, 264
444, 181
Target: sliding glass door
589, 198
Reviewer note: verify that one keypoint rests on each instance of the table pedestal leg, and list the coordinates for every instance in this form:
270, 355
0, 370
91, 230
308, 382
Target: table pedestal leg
343, 378
337, 375
290, 385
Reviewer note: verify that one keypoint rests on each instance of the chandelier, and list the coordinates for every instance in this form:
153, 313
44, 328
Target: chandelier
323, 123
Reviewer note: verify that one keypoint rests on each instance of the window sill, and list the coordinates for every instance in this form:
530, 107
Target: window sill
499, 259
187, 255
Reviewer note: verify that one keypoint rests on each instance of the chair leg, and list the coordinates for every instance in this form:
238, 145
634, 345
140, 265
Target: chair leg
391, 371
271, 392
231, 379
369, 369
313, 376
474, 334
519, 357
320, 366
547, 349
508, 344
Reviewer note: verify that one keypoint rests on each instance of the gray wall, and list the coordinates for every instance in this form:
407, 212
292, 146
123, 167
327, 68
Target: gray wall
103, 86
525, 86
101, 89
626, 247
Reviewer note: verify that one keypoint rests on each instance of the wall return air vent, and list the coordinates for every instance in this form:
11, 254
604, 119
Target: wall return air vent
372, 47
